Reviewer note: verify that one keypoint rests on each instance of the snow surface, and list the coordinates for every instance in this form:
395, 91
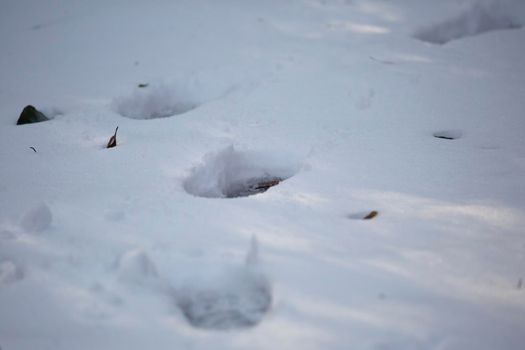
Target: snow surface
135, 247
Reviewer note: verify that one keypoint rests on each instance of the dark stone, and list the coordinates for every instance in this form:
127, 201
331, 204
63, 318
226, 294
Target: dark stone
31, 115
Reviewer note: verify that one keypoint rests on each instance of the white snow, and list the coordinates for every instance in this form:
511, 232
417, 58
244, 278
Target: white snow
162, 243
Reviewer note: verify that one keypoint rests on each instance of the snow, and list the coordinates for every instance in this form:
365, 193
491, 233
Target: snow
350, 103
136, 267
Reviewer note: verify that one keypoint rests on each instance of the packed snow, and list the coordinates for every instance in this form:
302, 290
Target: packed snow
300, 174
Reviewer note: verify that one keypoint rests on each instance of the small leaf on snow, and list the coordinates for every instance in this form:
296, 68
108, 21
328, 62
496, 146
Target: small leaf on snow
113, 140
371, 215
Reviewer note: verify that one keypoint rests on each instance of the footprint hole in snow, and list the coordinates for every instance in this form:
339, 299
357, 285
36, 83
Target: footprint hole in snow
36, 219
448, 134
231, 173
166, 99
155, 101
10, 272
235, 298
224, 298
225, 309
478, 19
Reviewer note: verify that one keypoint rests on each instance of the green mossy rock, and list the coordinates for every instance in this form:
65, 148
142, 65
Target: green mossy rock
31, 115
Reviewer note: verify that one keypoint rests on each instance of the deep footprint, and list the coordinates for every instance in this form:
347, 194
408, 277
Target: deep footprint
159, 101
238, 299
480, 18
231, 298
231, 173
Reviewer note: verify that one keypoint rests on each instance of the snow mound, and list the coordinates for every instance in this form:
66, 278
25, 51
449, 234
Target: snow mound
155, 101
37, 219
135, 267
478, 19
231, 173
